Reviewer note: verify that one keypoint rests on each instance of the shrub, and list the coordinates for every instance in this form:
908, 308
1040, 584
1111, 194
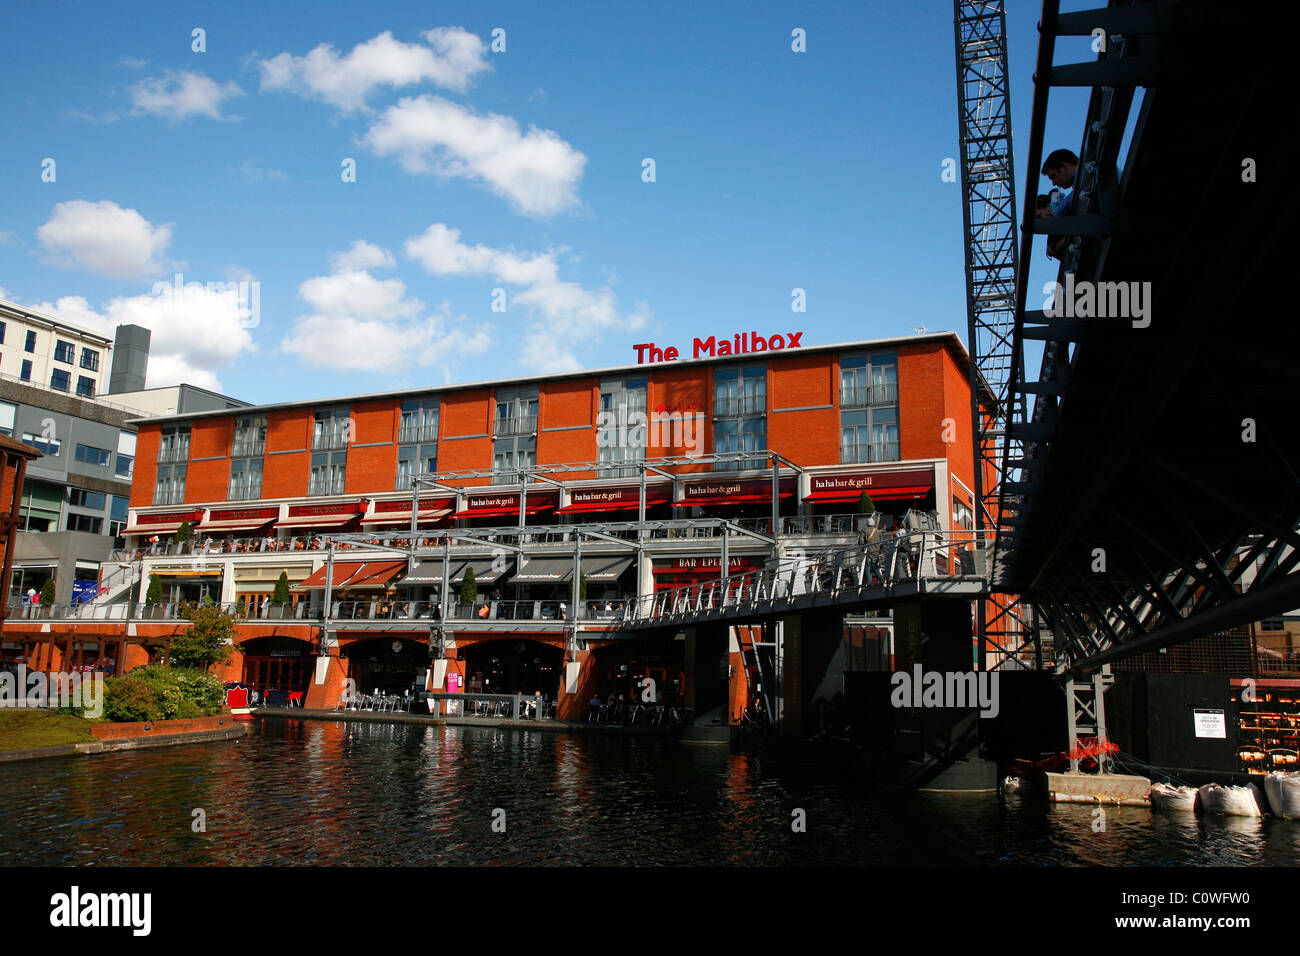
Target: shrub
127, 699
154, 594
865, 505
47, 591
160, 692
207, 641
281, 593
469, 588
184, 533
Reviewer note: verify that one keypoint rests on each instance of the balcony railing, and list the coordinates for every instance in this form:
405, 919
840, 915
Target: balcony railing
330, 436
505, 427
248, 448
325, 486
873, 451
172, 453
737, 405
169, 496
860, 395
244, 490
414, 434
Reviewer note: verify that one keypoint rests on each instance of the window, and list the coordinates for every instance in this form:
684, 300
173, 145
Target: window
90, 359
245, 479
117, 515
740, 391
869, 434
332, 429
125, 466
80, 498
514, 431
169, 488
30, 346
740, 414
64, 351
94, 456
621, 432
415, 460
49, 446
174, 444
961, 515
61, 379
85, 386
250, 437
8, 415
419, 421
516, 416
26, 375
869, 407
2, 333
869, 380
327, 473
84, 523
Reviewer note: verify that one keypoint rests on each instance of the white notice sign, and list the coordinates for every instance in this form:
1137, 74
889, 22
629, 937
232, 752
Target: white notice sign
1210, 723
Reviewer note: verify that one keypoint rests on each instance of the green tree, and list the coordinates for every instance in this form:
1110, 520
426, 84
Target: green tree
154, 594
184, 533
468, 588
281, 593
208, 639
865, 505
47, 591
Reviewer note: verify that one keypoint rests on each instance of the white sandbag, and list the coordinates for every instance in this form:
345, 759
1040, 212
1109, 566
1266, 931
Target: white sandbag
1230, 801
1283, 790
1167, 797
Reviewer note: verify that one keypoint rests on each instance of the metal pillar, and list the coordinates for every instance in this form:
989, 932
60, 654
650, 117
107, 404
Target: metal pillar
1085, 713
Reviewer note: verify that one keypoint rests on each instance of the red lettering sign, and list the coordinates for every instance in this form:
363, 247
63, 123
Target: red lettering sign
740, 343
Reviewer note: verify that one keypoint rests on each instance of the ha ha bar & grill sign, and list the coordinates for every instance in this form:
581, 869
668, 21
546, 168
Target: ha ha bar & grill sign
741, 343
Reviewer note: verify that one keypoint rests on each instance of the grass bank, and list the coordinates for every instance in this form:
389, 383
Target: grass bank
22, 729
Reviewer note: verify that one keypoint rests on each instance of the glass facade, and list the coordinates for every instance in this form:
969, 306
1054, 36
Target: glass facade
739, 414
869, 407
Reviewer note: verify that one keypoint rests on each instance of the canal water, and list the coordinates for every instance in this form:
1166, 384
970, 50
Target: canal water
304, 792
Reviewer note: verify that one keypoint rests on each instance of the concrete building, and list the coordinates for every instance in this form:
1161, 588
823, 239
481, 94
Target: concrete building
73, 501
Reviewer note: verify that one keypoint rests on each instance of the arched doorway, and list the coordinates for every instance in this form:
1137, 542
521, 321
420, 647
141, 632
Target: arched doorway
278, 663
390, 665
513, 666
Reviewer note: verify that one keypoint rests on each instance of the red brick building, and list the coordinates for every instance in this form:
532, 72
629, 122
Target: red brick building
792, 435
14, 456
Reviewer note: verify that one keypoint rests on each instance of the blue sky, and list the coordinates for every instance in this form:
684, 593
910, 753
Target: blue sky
479, 170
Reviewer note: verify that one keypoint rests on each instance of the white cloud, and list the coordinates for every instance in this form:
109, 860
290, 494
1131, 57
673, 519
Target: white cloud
104, 238
364, 324
8, 237
362, 255
256, 173
537, 171
133, 63
179, 95
192, 335
452, 59
564, 314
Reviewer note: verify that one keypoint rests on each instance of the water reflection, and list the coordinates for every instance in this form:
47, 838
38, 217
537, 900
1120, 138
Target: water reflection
296, 792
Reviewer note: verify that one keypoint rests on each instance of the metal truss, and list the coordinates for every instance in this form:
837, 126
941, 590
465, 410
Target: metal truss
989, 224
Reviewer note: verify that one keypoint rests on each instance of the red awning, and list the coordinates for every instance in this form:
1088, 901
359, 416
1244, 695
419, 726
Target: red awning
375, 574
315, 521
710, 500
498, 512
882, 494
404, 517
342, 571
235, 524
657, 495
